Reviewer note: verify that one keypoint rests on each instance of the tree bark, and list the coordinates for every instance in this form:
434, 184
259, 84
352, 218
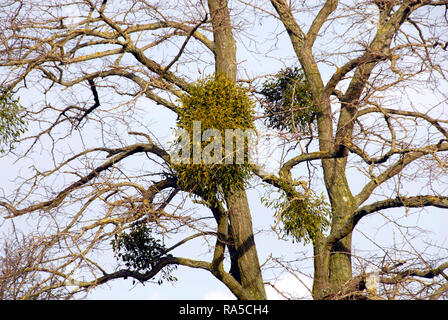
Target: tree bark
340, 265
236, 199
321, 281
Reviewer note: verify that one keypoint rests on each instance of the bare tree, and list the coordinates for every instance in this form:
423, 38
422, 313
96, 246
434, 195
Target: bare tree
19, 277
62, 47
362, 123
95, 70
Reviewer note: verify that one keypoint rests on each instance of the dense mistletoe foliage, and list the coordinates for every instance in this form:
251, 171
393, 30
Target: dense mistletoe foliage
288, 101
139, 251
218, 104
12, 124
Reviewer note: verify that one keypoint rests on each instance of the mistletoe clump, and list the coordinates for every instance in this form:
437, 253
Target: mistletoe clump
288, 101
139, 251
220, 104
12, 124
302, 217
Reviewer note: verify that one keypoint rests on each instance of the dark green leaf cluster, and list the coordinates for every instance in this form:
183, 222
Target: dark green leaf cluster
12, 124
139, 251
218, 104
288, 101
302, 217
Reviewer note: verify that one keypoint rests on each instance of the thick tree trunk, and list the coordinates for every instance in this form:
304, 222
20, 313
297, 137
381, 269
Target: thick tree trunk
237, 203
244, 243
332, 263
321, 280
340, 267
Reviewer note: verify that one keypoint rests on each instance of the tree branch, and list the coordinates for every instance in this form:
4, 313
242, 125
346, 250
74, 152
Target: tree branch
408, 202
400, 275
141, 82
190, 34
396, 168
318, 155
125, 153
95, 105
328, 8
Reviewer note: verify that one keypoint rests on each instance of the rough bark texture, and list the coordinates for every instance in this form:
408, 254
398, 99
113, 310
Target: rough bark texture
332, 260
237, 203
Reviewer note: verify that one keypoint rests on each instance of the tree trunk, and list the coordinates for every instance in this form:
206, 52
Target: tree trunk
243, 239
332, 263
321, 280
340, 265
236, 199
